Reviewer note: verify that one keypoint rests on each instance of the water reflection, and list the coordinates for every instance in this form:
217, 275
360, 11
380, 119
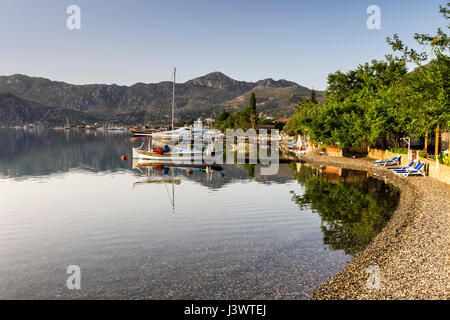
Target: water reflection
352, 205
34, 153
145, 230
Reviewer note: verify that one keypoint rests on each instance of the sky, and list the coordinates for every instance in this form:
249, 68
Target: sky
131, 41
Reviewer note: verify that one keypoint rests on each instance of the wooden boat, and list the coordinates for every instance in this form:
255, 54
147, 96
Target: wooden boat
174, 155
142, 132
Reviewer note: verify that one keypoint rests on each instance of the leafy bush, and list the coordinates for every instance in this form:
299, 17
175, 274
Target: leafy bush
399, 150
423, 154
444, 159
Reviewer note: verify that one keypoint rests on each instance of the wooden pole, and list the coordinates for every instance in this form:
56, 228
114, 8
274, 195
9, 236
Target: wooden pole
426, 142
436, 147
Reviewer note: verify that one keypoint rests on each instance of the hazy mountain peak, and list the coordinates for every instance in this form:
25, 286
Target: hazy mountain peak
217, 80
271, 83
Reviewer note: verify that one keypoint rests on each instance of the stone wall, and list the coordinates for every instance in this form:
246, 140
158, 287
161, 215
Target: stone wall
333, 152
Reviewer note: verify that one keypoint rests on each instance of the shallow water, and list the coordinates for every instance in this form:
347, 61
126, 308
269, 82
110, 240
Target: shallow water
66, 198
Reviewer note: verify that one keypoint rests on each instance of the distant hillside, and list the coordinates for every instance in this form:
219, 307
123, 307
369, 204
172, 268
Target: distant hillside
18, 111
274, 101
205, 95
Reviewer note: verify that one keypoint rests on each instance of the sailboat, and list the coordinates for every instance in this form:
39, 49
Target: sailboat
177, 153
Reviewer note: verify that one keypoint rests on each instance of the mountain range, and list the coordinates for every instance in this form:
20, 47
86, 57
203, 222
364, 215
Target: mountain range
25, 99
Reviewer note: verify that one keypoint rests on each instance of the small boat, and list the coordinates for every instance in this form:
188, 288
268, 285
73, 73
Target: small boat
142, 132
175, 155
167, 154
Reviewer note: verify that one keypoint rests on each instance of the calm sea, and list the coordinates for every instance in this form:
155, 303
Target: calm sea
163, 232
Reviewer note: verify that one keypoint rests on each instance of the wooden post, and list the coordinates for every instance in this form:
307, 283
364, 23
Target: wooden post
436, 147
426, 142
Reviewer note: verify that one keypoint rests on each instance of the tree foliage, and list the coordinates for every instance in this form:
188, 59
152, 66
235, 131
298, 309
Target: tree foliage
380, 101
244, 119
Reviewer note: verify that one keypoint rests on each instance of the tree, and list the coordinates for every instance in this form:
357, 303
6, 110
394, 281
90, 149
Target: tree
430, 82
313, 98
224, 121
380, 101
252, 110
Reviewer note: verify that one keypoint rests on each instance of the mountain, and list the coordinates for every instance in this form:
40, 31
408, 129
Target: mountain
18, 111
201, 96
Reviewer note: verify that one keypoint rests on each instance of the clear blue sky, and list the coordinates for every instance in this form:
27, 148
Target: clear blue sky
131, 41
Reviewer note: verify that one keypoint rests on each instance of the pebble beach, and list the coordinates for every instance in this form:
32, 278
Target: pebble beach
411, 252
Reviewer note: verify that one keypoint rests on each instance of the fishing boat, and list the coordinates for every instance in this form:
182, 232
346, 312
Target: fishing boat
142, 132
165, 154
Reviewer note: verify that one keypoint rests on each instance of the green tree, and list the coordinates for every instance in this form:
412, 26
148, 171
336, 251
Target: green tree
313, 98
429, 82
252, 110
224, 121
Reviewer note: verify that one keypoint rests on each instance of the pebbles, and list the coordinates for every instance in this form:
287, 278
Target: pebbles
412, 251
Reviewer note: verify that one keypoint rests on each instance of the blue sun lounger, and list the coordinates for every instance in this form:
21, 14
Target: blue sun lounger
417, 170
404, 167
394, 161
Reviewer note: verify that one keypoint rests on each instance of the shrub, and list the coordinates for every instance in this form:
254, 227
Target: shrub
399, 150
423, 154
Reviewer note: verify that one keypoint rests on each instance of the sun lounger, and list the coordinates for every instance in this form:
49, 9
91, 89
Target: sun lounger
394, 161
417, 170
404, 167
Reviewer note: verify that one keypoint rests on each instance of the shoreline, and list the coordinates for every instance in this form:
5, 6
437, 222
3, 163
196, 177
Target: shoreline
412, 250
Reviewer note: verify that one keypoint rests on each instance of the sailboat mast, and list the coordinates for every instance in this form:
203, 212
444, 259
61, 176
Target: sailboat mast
173, 95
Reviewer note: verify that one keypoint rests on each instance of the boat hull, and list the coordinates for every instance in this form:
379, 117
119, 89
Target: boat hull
184, 156
138, 132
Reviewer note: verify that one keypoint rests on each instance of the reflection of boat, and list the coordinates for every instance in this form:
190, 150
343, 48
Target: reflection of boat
158, 165
158, 173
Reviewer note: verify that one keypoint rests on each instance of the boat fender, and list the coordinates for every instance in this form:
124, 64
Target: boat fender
124, 158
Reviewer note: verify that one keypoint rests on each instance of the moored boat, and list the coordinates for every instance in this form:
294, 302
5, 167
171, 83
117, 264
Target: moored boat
142, 132
174, 155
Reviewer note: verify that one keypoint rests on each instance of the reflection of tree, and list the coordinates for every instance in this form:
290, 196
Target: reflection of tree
250, 169
351, 215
